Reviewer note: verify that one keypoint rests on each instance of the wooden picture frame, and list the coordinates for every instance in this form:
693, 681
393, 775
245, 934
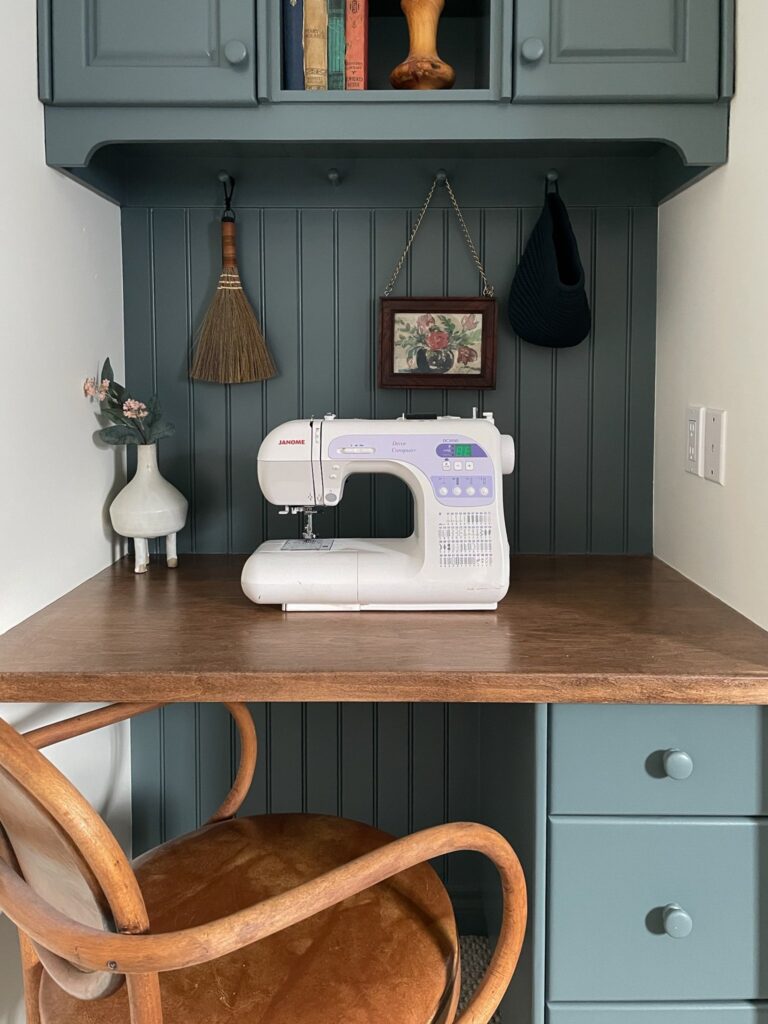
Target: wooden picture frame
437, 342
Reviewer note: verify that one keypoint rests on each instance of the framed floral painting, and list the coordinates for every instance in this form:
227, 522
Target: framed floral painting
437, 343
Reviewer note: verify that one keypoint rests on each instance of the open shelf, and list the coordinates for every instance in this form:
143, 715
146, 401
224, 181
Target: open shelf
464, 41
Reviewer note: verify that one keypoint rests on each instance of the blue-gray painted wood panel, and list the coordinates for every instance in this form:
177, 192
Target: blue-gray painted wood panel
617, 50
609, 759
658, 1013
109, 52
609, 882
582, 418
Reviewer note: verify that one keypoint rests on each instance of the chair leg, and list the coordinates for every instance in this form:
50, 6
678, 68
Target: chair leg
31, 971
144, 998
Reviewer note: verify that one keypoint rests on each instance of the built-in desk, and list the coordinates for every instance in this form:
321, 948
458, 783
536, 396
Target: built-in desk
619, 804
571, 629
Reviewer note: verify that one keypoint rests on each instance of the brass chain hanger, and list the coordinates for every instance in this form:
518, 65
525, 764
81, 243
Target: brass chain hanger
487, 287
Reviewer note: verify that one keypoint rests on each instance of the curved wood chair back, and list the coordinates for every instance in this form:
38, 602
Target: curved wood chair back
66, 854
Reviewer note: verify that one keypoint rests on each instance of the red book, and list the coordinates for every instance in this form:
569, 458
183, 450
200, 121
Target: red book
356, 64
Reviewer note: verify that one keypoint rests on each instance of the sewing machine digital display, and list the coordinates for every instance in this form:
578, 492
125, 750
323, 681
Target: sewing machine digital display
460, 451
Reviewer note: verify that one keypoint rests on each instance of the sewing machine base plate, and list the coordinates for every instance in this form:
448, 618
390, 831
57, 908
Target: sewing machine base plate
293, 607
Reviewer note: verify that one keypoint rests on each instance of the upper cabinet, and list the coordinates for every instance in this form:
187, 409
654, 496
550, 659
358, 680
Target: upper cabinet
115, 52
532, 77
617, 50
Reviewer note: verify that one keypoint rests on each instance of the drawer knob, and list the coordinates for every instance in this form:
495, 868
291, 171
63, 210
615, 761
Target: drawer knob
677, 923
677, 764
532, 50
235, 51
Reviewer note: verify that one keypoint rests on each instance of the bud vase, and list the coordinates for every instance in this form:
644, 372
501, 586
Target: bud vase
147, 507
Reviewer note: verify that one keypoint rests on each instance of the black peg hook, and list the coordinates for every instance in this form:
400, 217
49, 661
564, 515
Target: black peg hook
228, 184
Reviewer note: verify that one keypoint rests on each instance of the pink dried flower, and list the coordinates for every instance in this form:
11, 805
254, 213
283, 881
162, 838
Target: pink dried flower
93, 390
468, 322
134, 410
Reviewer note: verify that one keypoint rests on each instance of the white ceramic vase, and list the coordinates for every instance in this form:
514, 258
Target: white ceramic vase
148, 506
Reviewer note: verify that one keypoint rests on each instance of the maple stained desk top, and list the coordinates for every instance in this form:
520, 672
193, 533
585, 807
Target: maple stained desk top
572, 628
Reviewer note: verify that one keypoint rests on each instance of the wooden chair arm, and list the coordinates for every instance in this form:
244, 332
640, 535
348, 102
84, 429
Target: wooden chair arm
78, 725
94, 950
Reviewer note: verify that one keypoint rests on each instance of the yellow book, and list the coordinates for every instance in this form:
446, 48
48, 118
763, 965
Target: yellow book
315, 44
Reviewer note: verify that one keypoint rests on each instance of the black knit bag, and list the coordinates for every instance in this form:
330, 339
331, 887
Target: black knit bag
547, 301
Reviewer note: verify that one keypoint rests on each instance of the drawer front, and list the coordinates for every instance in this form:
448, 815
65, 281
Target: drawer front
677, 1013
614, 760
609, 883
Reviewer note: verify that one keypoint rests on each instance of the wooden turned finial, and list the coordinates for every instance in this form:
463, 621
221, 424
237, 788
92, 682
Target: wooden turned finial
423, 68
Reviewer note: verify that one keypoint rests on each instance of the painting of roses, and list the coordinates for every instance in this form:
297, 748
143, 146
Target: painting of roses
438, 343
449, 340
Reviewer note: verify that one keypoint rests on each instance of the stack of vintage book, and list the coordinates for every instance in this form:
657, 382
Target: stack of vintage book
325, 44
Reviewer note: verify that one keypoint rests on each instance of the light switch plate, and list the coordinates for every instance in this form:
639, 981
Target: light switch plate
714, 446
694, 439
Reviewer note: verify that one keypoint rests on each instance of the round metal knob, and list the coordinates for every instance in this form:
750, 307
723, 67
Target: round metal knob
235, 51
532, 50
677, 923
677, 764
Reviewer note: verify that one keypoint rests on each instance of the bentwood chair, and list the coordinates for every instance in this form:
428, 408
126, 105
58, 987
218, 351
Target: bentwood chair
280, 919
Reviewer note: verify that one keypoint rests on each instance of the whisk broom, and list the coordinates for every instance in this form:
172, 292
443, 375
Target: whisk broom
230, 346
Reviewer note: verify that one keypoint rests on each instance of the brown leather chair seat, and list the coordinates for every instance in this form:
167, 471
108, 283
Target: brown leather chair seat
386, 956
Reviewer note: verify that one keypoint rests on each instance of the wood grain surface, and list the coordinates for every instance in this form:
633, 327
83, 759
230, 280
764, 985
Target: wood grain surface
579, 628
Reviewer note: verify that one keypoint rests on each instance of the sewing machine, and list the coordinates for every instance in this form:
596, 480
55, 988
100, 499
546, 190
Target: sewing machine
457, 556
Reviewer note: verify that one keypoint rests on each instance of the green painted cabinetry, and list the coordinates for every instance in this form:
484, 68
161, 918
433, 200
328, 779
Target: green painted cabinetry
574, 50
113, 52
657, 865
202, 52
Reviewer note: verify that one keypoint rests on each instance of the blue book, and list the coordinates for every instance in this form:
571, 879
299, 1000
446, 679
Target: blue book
293, 44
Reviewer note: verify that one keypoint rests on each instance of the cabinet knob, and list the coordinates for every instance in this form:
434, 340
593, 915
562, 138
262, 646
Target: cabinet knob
235, 51
677, 764
677, 923
532, 50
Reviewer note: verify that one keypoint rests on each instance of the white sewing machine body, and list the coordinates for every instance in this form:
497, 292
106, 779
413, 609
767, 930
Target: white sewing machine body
457, 557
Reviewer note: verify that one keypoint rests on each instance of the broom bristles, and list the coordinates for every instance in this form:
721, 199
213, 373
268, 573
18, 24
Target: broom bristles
230, 346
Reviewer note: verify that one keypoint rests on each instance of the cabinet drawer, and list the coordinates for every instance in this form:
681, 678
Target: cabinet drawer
611, 760
609, 882
677, 1013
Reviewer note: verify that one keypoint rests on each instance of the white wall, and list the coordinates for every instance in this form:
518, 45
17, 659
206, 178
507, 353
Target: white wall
713, 350
60, 315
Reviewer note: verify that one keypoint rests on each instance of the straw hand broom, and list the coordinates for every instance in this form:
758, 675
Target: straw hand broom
230, 346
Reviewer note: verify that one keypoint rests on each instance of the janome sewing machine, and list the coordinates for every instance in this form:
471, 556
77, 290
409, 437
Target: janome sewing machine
457, 556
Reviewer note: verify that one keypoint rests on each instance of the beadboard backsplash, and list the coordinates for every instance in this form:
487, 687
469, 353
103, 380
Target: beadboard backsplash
582, 418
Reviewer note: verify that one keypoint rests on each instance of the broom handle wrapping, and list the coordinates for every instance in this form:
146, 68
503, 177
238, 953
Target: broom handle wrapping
228, 245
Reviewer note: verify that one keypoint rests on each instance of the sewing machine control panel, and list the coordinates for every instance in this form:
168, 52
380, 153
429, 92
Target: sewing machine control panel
459, 469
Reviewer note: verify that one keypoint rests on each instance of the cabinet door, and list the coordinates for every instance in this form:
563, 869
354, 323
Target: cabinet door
617, 50
154, 51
